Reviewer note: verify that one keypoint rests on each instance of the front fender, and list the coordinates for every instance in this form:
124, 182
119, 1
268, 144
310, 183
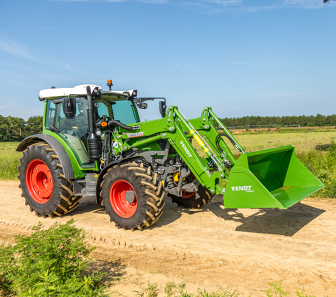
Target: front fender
57, 147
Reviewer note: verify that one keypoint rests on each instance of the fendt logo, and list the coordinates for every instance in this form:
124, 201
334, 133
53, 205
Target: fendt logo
185, 148
243, 188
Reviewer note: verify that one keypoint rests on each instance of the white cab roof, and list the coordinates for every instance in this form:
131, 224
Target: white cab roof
81, 90
65, 92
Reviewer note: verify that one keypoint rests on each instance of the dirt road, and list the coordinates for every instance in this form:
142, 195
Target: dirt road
206, 248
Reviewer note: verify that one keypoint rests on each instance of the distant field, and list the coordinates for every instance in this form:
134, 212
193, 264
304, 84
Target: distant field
303, 142
9, 160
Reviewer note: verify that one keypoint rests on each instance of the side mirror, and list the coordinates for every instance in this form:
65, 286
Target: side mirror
142, 105
96, 93
162, 108
69, 107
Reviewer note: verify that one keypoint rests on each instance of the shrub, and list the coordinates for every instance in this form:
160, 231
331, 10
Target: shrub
323, 166
49, 262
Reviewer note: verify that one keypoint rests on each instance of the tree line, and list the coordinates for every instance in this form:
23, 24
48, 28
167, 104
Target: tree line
308, 121
12, 128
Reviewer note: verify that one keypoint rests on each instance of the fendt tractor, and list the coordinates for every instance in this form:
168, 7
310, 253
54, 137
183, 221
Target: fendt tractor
94, 144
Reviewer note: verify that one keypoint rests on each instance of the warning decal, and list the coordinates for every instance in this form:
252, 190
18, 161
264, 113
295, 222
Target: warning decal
132, 135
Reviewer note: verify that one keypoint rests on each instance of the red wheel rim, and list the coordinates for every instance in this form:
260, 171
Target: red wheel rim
120, 205
39, 181
187, 194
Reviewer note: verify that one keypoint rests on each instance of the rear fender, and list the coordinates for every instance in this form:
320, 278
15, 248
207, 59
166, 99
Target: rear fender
57, 147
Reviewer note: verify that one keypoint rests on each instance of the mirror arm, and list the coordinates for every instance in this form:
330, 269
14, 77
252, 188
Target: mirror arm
143, 99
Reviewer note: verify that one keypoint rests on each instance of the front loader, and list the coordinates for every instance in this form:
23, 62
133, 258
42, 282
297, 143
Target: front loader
94, 144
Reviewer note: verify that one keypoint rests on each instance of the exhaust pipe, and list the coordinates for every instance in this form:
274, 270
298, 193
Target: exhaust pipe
93, 141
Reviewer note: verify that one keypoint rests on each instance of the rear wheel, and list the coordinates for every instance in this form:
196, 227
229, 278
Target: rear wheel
43, 184
132, 196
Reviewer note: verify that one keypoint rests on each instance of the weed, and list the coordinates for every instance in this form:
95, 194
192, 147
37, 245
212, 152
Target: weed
150, 291
225, 293
181, 288
169, 289
49, 262
276, 290
302, 293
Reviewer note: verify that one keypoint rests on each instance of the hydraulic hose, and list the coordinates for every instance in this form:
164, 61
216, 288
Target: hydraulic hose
228, 137
117, 123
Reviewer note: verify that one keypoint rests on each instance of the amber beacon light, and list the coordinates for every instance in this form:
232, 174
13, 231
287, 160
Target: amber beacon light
109, 84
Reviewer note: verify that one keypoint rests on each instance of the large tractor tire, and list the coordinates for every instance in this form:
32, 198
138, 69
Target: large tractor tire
193, 200
43, 184
132, 196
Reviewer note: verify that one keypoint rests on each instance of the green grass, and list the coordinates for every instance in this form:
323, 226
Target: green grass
303, 142
9, 160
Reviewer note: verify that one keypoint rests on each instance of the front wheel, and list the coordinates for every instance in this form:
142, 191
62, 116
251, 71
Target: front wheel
193, 200
132, 196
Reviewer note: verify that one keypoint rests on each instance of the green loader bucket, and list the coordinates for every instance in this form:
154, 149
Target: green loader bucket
272, 178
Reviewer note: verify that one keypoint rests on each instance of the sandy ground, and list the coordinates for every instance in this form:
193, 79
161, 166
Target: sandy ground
208, 248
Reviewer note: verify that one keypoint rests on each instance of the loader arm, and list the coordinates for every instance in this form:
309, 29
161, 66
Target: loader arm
208, 170
264, 179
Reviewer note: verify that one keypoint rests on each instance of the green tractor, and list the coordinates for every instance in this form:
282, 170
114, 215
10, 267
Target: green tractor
94, 144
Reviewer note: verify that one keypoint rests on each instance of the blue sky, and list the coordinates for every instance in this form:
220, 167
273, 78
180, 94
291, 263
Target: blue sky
242, 57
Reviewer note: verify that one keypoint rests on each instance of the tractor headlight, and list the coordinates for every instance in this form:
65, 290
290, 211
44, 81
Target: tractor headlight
134, 93
98, 132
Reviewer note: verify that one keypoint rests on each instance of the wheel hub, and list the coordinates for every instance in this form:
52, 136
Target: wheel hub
130, 196
39, 181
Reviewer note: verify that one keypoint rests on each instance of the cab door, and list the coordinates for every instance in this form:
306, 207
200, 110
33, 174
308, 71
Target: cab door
75, 131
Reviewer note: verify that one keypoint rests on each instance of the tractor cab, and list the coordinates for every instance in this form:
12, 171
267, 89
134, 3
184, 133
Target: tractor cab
66, 114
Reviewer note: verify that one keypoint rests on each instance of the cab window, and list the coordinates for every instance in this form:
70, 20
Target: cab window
124, 112
51, 109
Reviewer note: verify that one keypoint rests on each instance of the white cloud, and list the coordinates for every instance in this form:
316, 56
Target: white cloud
118, 1
220, 6
287, 4
223, 2
15, 49
304, 3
